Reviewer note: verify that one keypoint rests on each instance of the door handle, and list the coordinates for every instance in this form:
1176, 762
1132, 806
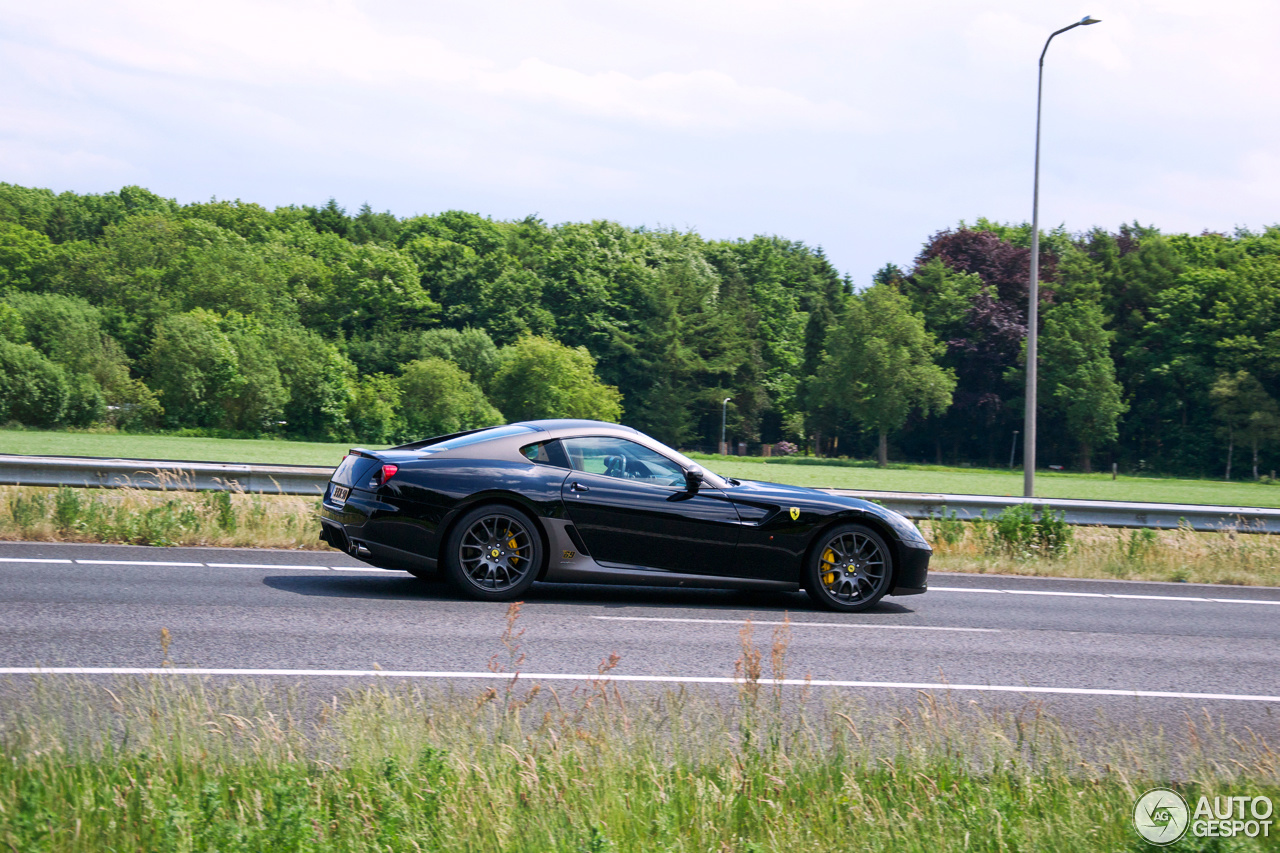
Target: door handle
578, 487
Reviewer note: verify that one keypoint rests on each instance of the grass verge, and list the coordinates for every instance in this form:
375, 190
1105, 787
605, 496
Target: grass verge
183, 764
1100, 553
170, 518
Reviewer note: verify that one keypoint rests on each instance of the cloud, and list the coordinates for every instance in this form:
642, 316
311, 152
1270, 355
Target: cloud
860, 126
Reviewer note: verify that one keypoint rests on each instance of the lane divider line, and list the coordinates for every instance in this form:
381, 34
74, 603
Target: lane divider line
798, 624
638, 679
138, 563
1196, 598
260, 566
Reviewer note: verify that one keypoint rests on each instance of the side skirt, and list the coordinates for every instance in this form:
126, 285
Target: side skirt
566, 564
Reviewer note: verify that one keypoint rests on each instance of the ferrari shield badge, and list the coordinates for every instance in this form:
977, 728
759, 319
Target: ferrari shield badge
795, 513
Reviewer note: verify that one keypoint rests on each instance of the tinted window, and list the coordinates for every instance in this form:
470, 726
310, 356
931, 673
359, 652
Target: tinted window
617, 457
546, 453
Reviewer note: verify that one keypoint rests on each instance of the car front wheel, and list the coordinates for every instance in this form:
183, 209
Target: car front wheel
850, 568
494, 553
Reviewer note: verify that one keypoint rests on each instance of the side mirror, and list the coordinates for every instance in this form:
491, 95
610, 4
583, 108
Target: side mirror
692, 480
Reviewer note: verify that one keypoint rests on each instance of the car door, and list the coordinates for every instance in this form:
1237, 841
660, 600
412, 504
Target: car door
630, 505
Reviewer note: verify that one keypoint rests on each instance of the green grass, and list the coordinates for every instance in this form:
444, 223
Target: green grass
123, 446
184, 764
803, 472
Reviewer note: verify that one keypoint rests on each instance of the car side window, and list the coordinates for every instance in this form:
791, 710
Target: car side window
546, 453
626, 460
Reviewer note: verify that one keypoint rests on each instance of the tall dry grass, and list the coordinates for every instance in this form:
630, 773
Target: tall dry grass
1183, 555
175, 517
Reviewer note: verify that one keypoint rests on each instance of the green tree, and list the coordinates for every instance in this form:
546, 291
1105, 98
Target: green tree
1246, 411
540, 378
319, 381
33, 390
193, 366
438, 398
1079, 377
880, 365
374, 409
25, 257
11, 326
255, 400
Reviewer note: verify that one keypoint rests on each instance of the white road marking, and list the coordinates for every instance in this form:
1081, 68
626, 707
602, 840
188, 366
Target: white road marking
1200, 599
798, 624
640, 679
262, 566
1195, 598
137, 563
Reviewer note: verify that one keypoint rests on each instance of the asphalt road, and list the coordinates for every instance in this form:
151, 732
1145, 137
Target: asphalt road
1084, 649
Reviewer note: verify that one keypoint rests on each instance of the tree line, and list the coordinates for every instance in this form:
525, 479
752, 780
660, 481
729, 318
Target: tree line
1158, 351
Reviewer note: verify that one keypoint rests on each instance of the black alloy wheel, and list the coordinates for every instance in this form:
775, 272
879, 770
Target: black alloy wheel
494, 553
850, 568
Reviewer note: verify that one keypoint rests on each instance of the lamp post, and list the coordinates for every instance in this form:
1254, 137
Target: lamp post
1033, 293
724, 420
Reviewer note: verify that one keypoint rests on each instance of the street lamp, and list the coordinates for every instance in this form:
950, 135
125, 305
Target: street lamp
724, 419
1033, 295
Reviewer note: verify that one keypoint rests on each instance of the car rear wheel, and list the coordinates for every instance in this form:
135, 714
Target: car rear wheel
494, 553
850, 568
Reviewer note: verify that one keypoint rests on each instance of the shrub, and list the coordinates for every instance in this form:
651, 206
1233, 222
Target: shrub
1018, 531
33, 390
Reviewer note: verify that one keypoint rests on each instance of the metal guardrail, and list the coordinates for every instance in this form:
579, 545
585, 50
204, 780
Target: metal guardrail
1157, 516
305, 480
162, 475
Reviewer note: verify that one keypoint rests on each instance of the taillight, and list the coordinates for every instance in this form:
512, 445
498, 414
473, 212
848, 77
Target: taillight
386, 472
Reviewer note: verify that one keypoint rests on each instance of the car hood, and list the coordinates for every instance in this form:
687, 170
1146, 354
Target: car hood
758, 490
761, 494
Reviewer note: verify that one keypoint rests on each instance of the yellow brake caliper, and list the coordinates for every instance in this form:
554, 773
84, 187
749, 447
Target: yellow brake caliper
511, 543
829, 574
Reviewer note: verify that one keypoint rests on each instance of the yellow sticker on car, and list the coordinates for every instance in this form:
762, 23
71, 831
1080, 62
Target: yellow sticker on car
795, 513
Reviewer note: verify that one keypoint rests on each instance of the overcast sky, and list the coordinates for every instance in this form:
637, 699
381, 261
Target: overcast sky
861, 127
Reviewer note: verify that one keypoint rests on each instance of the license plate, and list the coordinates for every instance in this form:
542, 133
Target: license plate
340, 494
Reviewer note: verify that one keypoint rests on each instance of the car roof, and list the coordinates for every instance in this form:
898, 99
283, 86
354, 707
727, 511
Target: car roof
560, 425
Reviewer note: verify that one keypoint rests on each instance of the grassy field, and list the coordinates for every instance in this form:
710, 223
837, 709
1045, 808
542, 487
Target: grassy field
178, 763
802, 472
122, 446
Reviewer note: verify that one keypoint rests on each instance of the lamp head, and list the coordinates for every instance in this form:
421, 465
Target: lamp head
1089, 19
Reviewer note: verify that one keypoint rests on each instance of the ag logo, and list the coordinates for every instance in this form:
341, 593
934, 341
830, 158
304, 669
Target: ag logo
795, 513
1160, 816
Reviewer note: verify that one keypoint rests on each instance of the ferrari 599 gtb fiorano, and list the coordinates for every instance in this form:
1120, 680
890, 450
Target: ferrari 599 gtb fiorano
571, 501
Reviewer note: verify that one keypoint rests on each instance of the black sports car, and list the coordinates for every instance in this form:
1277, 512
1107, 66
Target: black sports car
588, 502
